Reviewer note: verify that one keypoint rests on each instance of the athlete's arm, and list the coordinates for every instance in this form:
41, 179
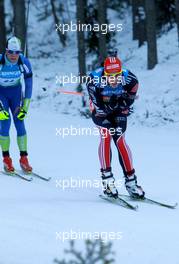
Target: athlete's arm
94, 94
27, 78
131, 87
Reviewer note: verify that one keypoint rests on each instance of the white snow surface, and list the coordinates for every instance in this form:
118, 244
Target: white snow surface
32, 212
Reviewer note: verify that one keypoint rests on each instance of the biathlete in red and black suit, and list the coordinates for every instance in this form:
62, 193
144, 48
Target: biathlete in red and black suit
112, 91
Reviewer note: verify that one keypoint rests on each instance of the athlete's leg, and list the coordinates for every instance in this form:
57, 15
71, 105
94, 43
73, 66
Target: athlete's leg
125, 158
4, 132
105, 155
124, 152
4, 126
15, 104
104, 149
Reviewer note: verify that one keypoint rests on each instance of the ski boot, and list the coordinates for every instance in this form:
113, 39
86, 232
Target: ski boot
8, 166
108, 180
133, 189
24, 163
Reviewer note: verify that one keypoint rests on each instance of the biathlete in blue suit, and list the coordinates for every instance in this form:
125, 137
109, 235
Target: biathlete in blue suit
13, 65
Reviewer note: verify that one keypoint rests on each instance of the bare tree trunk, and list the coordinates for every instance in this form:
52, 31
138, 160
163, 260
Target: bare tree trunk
19, 20
142, 22
177, 16
2, 27
138, 14
151, 33
62, 36
102, 19
80, 17
135, 19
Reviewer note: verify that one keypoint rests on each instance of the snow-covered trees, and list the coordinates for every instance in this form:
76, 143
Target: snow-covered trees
95, 252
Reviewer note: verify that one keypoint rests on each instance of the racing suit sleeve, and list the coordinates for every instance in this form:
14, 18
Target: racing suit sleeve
131, 88
27, 78
94, 95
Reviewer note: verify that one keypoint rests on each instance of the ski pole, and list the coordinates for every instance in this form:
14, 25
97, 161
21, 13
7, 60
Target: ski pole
26, 26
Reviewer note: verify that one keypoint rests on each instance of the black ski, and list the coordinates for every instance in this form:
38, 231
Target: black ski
148, 200
118, 201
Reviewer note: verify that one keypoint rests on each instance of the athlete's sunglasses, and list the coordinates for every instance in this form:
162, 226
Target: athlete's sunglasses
113, 74
15, 52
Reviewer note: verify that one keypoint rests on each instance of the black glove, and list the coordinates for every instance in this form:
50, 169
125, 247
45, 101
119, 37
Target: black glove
128, 99
127, 111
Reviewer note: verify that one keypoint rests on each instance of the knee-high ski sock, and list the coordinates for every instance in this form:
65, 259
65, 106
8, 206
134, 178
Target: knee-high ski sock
5, 143
22, 144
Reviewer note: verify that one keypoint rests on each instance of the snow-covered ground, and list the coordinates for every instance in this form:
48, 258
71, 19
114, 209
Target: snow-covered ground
32, 213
